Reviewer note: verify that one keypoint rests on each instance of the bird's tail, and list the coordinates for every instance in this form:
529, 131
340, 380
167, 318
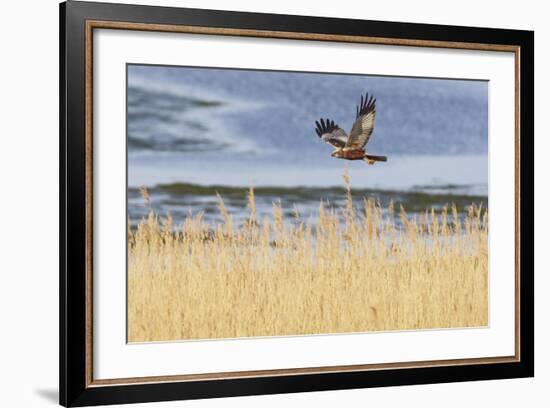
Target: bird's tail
371, 158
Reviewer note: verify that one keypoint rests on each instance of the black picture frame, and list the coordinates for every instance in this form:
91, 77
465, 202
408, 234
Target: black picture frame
76, 386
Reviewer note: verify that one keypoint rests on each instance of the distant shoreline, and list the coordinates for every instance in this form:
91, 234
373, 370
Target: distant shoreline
400, 173
180, 199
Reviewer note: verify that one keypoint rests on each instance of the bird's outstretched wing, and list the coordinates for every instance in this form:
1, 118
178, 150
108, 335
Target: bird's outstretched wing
331, 133
364, 123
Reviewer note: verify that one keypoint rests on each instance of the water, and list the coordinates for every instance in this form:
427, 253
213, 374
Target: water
215, 128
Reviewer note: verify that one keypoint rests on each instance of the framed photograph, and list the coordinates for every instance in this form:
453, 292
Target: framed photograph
256, 203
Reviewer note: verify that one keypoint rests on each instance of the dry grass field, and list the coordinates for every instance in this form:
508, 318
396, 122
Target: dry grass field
352, 271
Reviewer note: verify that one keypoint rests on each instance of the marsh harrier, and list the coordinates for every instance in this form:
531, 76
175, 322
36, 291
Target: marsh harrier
352, 147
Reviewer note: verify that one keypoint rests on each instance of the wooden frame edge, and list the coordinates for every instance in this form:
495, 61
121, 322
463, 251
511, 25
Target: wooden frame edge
290, 35
89, 205
232, 375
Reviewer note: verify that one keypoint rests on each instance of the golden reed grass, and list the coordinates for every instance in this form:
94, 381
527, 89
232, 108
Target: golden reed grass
351, 271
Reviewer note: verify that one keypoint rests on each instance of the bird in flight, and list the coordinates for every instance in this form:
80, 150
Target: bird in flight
352, 147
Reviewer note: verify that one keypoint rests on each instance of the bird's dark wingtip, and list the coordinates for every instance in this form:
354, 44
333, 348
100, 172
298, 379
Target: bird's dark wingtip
325, 126
367, 105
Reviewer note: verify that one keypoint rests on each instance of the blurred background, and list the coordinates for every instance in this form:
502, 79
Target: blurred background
195, 132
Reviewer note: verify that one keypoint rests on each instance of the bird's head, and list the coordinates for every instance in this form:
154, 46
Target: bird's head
337, 153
